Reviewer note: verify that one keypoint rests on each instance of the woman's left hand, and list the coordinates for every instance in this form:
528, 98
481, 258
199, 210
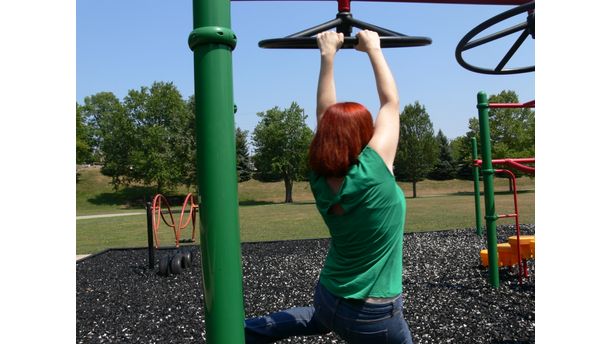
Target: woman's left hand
329, 42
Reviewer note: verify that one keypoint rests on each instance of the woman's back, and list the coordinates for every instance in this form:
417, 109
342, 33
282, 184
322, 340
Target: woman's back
365, 253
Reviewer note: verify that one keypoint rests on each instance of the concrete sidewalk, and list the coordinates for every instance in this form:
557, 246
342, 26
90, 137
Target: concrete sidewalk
85, 217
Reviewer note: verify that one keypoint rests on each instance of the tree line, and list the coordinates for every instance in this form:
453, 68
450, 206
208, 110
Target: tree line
148, 138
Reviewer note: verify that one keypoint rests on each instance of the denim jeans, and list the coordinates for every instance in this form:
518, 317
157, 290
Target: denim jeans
354, 321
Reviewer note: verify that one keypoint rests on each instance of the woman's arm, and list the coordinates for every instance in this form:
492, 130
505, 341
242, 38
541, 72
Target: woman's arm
386, 128
329, 42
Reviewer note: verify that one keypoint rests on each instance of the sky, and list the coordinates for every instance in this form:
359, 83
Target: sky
123, 45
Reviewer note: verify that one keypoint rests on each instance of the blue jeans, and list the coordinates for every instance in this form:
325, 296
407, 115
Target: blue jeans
353, 320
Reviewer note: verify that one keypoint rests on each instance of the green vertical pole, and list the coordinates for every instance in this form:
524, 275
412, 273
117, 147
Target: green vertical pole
476, 188
212, 42
487, 175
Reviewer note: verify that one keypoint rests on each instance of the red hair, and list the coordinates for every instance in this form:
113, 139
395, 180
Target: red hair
342, 133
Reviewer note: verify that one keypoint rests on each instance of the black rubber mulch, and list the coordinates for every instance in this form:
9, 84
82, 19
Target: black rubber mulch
447, 298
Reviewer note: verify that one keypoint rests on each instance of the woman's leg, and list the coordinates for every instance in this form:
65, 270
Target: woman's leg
298, 321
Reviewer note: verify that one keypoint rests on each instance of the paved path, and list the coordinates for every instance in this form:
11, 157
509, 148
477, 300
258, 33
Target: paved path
85, 217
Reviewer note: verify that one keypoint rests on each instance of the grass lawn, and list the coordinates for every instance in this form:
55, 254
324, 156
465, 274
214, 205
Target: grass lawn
440, 205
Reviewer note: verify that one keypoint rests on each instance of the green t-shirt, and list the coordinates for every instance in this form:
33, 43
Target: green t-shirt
365, 253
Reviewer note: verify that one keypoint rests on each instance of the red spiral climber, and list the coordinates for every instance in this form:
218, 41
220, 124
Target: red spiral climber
158, 215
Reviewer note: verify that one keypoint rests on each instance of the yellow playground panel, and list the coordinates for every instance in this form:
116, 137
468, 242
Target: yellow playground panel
507, 252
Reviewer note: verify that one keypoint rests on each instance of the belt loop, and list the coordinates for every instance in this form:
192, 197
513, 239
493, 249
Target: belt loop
397, 303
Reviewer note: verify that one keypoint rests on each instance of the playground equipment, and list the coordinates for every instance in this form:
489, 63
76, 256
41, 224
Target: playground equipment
344, 23
175, 263
155, 215
212, 42
509, 254
158, 215
498, 254
528, 28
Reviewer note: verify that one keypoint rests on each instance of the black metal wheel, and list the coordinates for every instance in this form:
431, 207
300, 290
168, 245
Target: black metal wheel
527, 28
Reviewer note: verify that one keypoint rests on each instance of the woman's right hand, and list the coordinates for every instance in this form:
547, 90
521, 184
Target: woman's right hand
329, 42
367, 41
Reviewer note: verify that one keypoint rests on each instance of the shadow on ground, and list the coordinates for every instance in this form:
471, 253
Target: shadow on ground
134, 197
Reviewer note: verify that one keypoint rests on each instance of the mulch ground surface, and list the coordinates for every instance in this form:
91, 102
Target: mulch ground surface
447, 298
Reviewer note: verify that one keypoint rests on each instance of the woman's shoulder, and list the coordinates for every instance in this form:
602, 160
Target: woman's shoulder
372, 163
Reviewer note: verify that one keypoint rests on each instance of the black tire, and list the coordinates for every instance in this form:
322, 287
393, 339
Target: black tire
164, 263
175, 264
186, 261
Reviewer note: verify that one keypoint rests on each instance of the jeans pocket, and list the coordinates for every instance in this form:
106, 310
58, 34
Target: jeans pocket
364, 337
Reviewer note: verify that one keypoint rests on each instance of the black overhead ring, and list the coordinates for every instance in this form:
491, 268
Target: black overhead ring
527, 28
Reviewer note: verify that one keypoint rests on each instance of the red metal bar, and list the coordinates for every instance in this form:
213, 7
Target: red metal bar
505, 161
507, 215
530, 104
520, 167
521, 264
464, 2
190, 218
519, 160
158, 214
515, 163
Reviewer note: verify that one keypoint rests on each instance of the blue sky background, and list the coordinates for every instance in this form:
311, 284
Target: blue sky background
123, 45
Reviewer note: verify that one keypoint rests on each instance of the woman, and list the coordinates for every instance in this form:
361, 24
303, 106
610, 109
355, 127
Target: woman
360, 286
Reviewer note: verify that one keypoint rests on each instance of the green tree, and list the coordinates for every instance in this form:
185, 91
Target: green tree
243, 160
512, 132
162, 150
98, 112
417, 150
84, 154
190, 132
117, 142
458, 148
461, 151
281, 140
444, 168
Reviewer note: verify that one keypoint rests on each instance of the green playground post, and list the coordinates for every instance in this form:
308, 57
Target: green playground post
476, 187
487, 176
212, 42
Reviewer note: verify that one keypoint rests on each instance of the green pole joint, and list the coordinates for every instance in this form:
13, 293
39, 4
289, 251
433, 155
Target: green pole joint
493, 217
212, 35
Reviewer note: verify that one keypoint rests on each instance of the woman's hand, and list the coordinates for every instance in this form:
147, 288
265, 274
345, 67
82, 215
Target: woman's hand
329, 42
367, 41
